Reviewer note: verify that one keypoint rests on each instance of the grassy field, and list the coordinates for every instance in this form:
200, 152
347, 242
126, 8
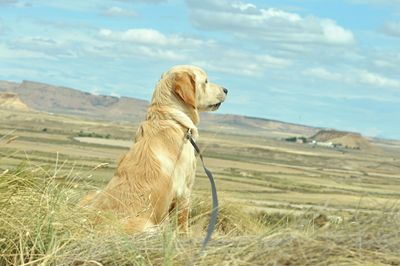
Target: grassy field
282, 203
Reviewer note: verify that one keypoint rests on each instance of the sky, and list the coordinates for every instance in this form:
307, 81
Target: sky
333, 64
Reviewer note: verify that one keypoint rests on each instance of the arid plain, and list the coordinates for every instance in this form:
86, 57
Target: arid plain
282, 203
260, 172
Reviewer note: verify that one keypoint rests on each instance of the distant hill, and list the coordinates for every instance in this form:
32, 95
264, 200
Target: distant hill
11, 101
346, 139
56, 99
62, 100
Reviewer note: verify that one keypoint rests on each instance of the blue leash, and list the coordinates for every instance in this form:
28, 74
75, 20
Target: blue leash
215, 206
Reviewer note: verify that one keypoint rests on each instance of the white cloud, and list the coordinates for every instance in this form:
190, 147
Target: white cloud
387, 61
141, 36
116, 11
266, 24
236, 68
239, 62
381, 63
21, 54
243, 7
272, 61
335, 34
377, 80
148, 43
353, 77
152, 37
273, 13
322, 73
392, 29
157, 53
206, 53
71, 45
75, 42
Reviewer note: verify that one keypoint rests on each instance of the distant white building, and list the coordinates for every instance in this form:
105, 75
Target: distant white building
322, 144
325, 144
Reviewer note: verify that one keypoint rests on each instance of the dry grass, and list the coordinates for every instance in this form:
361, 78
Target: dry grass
40, 224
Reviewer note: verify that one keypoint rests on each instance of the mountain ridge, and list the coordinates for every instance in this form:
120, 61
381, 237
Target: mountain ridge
63, 100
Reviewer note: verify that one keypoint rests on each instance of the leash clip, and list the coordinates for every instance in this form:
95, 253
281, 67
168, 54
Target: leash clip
189, 134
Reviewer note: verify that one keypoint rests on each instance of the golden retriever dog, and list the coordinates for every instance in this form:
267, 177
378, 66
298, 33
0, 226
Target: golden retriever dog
156, 176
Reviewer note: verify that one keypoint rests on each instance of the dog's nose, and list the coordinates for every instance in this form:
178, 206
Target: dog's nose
225, 90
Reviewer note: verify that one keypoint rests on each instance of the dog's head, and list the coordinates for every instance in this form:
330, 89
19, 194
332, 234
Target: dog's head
190, 86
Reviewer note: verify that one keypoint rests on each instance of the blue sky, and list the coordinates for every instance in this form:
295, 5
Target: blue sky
322, 63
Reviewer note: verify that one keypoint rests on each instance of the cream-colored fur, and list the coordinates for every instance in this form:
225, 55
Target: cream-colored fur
157, 174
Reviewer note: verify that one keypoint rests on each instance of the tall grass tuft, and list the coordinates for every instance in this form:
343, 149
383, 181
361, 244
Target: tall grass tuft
41, 223
38, 217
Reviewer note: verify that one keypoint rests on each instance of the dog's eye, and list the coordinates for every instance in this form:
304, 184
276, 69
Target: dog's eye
206, 81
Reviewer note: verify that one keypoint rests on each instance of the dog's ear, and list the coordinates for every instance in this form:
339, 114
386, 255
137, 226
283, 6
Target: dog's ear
185, 87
